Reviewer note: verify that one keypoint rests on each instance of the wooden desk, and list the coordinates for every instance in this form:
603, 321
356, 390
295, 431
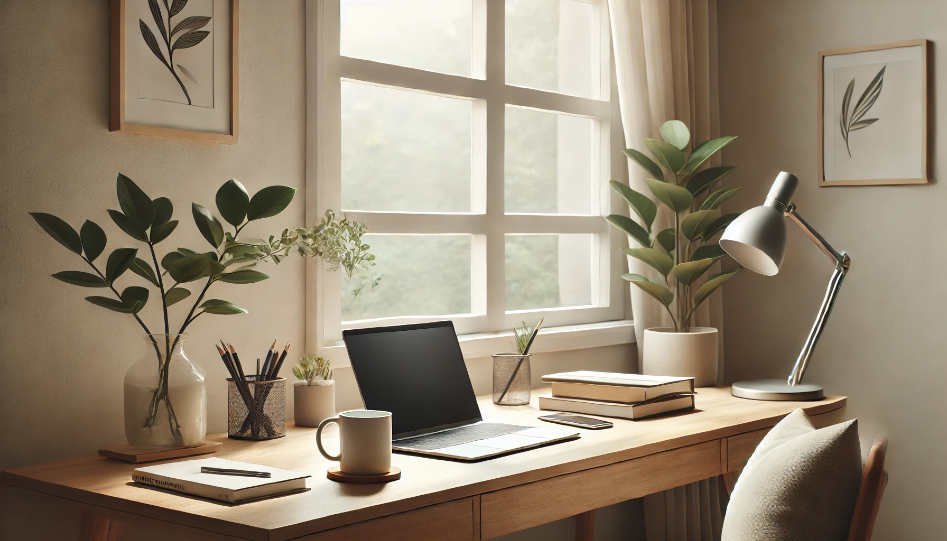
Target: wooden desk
435, 499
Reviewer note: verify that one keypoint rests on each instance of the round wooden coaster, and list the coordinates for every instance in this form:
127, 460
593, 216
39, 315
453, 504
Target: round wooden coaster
336, 474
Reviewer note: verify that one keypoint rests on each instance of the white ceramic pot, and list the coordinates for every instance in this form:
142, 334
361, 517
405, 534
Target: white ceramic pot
313, 403
683, 354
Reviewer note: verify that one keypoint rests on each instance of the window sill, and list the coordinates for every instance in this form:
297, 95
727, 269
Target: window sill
566, 338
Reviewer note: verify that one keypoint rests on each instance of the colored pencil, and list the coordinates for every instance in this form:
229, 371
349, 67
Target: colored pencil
279, 363
236, 359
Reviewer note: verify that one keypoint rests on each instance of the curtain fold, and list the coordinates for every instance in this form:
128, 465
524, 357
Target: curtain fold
666, 67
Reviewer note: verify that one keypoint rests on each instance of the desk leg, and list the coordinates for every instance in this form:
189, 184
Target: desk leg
585, 526
98, 528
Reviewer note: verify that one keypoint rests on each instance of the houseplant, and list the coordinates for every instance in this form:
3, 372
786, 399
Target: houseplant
681, 254
165, 373
314, 393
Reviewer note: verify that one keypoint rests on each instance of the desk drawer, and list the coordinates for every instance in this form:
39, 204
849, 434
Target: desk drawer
451, 521
741, 446
517, 508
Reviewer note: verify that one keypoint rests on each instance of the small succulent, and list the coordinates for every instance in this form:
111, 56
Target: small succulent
312, 369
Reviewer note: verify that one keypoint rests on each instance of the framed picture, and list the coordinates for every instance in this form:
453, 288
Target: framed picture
174, 69
873, 115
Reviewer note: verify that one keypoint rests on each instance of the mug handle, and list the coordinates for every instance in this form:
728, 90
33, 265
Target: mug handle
322, 449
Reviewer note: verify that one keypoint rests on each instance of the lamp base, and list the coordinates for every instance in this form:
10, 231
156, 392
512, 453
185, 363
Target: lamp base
776, 389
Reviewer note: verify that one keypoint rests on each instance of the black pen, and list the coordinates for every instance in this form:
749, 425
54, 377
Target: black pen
240, 473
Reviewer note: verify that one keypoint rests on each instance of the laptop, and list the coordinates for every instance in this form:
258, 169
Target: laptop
417, 373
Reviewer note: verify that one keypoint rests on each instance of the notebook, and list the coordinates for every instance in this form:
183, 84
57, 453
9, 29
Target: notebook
616, 387
186, 477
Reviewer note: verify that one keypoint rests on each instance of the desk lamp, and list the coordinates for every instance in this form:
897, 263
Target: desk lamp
757, 240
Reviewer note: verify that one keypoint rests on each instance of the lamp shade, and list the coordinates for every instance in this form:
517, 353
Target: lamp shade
757, 238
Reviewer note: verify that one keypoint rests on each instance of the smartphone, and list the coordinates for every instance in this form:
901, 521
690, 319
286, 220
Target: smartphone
576, 420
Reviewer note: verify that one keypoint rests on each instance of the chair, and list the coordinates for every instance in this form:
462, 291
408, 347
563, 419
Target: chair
874, 480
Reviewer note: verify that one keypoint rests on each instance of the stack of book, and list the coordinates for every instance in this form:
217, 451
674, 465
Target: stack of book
610, 394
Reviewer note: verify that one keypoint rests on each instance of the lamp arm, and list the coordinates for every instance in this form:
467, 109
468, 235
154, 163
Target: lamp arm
842, 264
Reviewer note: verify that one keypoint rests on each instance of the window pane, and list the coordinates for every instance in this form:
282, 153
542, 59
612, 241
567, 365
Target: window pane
420, 275
550, 45
548, 162
404, 151
432, 35
548, 271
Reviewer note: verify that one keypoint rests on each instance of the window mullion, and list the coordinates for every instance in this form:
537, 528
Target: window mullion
495, 70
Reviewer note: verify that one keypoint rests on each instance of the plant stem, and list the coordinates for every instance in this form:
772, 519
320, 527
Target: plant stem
679, 306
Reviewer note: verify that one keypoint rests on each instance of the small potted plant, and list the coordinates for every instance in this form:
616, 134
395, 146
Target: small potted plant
681, 254
511, 375
314, 393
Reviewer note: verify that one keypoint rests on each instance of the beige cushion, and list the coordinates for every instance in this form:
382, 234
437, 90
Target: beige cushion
800, 484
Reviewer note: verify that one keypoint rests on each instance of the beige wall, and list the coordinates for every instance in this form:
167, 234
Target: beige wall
884, 343
62, 360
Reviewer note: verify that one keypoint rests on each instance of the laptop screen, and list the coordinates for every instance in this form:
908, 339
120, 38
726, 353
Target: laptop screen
416, 372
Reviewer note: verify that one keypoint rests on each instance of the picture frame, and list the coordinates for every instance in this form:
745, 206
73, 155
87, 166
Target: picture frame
882, 136
197, 99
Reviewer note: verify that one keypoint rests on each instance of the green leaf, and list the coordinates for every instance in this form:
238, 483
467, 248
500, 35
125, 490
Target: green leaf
115, 305
687, 273
666, 240
719, 225
643, 206
667, 155
706, 178
676, 197
127, 226
630, 227
185, 251
709, 251
78, 278
269, 201
189, 268
219, 307
163, 231
143, 269
232, 202
93, 239
118, 262
163, 211
676, 133
645, 162
657, 259
135, 296
214, 268
712, 283
169, 259
244, 277
695, 223
135, 204
703, 152
209, 227
176, 295
59, 230
659, 292
717, 198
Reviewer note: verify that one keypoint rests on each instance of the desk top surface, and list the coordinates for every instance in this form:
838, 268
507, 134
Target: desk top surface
425, 481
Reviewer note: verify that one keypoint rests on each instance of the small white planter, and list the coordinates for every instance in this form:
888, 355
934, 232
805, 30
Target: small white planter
683, 354
313, 403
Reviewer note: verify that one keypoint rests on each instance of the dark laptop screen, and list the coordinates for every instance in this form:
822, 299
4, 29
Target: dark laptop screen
416, 372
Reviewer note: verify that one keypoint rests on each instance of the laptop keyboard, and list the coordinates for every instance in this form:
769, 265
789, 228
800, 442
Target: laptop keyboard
457, 436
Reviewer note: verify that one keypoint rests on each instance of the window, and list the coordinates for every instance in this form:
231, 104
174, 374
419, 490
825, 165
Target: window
474, 139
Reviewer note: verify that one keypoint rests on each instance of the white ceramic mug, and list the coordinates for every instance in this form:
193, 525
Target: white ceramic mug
365, 442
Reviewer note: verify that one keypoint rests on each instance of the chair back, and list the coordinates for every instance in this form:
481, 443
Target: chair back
874, 480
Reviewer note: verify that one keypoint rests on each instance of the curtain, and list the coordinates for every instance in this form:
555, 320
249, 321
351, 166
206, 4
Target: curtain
666, 62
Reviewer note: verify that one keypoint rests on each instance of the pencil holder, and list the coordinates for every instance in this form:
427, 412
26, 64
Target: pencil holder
511, 379
256, 411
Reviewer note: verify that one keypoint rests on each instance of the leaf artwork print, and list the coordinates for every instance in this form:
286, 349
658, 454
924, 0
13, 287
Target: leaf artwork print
853, 119
188, 31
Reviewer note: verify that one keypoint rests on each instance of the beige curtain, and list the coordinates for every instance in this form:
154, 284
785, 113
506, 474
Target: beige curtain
666, 61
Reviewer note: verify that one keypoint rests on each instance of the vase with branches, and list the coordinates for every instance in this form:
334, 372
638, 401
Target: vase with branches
231, 261
684, 253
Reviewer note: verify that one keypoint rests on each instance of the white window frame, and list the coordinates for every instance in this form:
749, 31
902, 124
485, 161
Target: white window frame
484, 331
